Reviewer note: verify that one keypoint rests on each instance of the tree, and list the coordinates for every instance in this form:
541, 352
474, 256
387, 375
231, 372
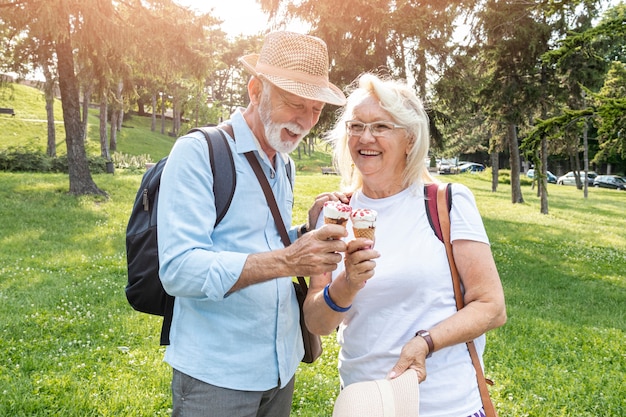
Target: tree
64, 23
515, 38
469, 128
578, 66
590, 93
511, 86
81, 181
228, 82
175, 54
610, 105
105, 42
402, 39
23, 55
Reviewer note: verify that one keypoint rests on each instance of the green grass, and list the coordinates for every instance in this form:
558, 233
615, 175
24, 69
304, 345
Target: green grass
561, 352
70, 345
28, 128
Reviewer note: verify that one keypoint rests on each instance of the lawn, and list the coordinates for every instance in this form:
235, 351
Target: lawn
71, 346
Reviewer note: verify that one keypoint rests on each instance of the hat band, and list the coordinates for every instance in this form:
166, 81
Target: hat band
291, 75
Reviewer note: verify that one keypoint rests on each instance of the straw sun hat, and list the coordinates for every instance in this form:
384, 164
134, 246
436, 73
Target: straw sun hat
296, 63
397, 397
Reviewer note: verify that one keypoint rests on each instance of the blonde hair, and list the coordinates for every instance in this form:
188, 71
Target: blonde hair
406, 109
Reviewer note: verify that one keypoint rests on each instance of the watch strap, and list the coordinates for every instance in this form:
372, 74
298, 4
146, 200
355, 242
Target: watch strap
425, 334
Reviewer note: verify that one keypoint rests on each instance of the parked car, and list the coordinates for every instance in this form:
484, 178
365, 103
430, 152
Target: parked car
470, 167
569, 179
447, 166
551, 177
610, 181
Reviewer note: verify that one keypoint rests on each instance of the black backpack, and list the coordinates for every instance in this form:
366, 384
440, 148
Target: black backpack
144, 290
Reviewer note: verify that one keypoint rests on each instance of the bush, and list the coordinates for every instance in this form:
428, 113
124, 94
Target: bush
28, 159
15, 159
504, 177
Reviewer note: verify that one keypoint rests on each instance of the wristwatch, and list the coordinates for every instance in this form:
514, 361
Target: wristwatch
425, 334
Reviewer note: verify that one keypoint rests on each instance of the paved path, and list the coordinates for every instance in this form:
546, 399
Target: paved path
38, 120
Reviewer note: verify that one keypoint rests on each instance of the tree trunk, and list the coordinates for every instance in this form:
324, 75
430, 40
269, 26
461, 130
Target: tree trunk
119, 116
114, 116
86, 100
120, 121
141, 107
163, 114
48, 87
543, 184
81, 182
175, 117
516, 190
495, 171
154, 107
196, 112
543, 188
585, 157
576, 163
104, 140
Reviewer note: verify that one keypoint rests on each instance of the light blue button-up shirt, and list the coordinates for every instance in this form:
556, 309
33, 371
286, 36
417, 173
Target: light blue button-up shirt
249, 340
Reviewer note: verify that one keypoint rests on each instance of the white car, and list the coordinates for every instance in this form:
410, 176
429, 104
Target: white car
447, 166
570, 179
551, 177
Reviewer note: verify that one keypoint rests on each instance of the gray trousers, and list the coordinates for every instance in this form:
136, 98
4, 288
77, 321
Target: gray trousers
194, 398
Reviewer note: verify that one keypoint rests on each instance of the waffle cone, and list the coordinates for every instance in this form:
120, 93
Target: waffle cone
367, 233
341, 222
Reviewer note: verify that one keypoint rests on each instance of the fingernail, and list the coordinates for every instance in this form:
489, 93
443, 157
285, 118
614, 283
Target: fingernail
391, 375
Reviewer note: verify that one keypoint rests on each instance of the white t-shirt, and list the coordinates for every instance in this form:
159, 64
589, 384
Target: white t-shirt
411, 290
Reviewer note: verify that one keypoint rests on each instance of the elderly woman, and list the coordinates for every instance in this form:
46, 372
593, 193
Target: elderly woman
393, 303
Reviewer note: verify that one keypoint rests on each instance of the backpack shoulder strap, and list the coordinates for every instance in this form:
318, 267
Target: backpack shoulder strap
222, 168
291, 171
430, 201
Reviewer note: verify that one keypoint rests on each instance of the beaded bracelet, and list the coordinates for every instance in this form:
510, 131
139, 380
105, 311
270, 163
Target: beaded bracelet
332, 304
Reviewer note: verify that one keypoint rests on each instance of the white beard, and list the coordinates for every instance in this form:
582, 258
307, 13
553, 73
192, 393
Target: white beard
273, 130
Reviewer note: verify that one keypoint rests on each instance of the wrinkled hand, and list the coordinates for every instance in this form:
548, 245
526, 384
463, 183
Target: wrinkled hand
317, 252
318, 205
413, 355
359, 261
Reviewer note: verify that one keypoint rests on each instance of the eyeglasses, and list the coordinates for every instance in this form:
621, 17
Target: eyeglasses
380, 128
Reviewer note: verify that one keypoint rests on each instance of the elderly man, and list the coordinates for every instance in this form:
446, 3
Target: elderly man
235, 339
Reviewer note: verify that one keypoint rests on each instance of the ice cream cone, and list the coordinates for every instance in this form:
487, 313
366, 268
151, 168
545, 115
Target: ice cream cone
368, 233
364, 223
336, 213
